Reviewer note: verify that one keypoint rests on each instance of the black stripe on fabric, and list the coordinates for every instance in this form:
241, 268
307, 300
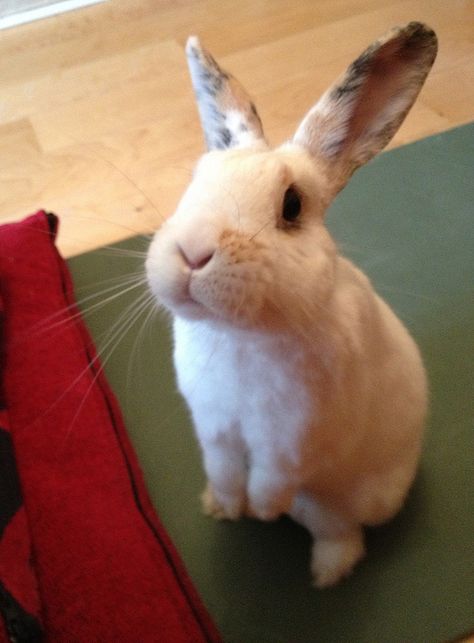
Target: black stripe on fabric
21, 626
10, 492
151, 526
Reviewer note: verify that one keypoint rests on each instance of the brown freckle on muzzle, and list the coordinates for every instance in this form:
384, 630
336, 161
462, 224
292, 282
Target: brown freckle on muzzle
226, 234
238, 241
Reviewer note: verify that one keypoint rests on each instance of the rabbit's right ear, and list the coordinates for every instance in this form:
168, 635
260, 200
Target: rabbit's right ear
228, 116
361, 112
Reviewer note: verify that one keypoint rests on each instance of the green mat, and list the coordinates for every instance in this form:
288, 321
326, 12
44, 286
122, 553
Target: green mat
407, 219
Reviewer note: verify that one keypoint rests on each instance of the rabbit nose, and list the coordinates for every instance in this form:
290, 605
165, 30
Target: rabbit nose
196, 260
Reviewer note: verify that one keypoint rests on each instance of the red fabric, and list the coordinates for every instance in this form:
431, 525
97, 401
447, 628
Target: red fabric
105, 567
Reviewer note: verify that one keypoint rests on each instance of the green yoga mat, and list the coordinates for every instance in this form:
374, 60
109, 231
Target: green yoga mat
407, 219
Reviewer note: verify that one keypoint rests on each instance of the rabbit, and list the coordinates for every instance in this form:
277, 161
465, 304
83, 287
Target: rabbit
308, 395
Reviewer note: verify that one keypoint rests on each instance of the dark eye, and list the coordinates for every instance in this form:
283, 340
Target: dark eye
291, 205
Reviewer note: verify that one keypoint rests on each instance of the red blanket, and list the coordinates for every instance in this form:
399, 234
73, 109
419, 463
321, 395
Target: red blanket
83, 556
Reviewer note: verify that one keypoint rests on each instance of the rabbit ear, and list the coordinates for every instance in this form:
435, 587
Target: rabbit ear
228, 116
361, 112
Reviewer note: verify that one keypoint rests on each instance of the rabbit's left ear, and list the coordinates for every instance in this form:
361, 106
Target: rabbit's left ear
228, 116
361, 112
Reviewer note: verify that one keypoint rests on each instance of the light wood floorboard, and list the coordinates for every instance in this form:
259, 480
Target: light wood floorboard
97, 120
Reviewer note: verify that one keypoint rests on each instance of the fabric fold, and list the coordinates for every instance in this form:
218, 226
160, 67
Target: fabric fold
103, 565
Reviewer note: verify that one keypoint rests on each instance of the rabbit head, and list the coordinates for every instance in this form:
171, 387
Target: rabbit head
247, 244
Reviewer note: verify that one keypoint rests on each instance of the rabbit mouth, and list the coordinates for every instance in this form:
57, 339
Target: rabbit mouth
226, 292
186, 304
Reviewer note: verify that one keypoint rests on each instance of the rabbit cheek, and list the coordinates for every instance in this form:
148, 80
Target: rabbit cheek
167, 282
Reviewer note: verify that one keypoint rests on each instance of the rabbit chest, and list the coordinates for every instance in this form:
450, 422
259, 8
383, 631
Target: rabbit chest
246, 386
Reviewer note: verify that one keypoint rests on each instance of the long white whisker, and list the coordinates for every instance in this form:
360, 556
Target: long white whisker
111, 251
124, 175
123, 316
120, 279
135, 283
138, 235
149, 301
261, 229
80, 375
116, 337
148, 234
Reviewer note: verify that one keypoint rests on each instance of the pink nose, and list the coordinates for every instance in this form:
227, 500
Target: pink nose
196, 261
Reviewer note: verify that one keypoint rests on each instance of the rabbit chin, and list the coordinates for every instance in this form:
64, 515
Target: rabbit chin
206, 299
220, 305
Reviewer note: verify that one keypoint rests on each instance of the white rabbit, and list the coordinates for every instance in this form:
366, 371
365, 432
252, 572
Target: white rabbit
307, 393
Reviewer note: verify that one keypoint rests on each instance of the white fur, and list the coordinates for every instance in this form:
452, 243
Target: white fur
307, 393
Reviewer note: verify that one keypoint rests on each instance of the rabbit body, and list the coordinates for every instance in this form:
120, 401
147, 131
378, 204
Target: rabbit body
307, 393
338, 413
326, 428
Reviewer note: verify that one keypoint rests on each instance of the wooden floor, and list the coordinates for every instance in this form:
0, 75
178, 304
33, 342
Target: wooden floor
97, 120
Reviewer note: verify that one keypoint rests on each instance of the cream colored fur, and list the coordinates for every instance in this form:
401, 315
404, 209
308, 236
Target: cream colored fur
307, 393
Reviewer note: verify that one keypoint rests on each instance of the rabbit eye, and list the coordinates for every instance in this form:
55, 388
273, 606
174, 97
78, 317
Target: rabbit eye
291, 205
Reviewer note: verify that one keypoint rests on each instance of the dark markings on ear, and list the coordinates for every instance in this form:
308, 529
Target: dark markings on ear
355, 77
226, 138
358, 116
212, 81
211, 77
255, 115
228, 116
414, 38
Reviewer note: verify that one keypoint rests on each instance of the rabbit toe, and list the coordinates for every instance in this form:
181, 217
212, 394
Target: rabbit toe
335, 558
222, 507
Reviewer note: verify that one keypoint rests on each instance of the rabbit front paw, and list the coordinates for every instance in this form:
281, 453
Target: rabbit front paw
268, 498
222, 506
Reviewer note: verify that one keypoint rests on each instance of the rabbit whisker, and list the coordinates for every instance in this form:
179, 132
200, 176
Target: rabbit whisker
48, 324
152, 311
115, 335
